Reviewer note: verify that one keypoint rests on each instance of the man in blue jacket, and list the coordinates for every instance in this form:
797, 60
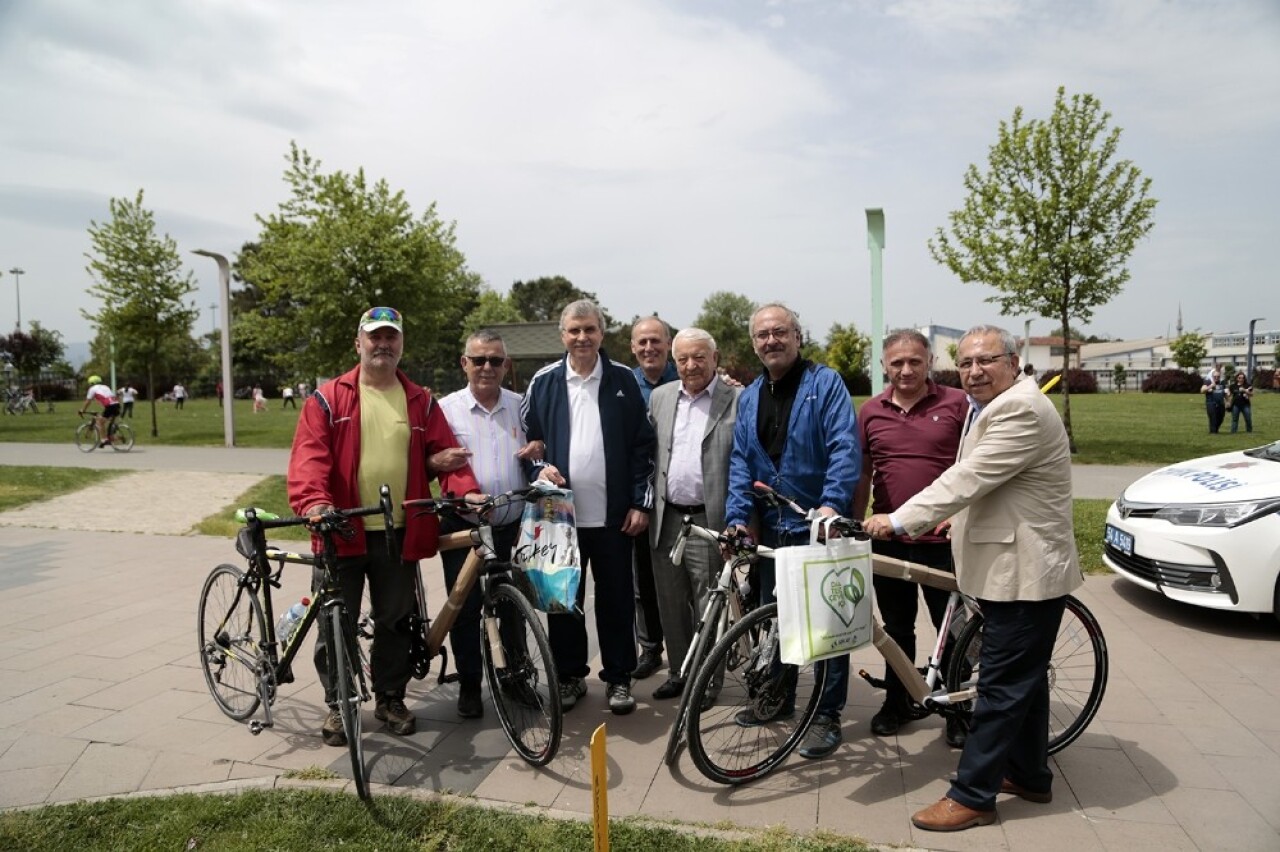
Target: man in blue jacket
796, 433
589, 412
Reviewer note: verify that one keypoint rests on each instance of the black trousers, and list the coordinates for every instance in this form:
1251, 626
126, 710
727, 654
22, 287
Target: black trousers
606, 551
899, 601
648, 619
464, 636
1009, 732
392, 589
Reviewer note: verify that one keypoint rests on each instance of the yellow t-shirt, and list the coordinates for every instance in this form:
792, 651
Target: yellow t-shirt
384, 448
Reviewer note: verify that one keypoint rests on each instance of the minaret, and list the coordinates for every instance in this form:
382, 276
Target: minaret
1179, 319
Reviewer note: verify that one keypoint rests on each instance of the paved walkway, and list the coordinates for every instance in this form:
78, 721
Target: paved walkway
100, 694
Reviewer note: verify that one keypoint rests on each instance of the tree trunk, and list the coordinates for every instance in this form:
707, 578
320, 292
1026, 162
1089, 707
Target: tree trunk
1066, 385
151, 389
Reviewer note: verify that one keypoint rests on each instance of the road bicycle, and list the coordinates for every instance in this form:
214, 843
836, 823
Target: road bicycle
89, 436
518, 663
242, 660
20, 402
728, 753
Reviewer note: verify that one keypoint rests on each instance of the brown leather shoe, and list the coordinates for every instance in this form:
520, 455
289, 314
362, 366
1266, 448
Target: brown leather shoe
947, 814
1007, 786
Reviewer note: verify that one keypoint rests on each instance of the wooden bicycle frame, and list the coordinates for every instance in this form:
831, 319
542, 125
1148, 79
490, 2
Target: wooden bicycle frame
461, 588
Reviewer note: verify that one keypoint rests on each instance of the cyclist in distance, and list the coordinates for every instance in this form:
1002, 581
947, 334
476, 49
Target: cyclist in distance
367, 427
100, 393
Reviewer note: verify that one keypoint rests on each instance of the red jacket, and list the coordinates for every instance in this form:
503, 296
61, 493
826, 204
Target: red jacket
326, 453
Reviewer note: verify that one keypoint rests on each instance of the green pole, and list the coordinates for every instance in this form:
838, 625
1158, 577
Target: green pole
875, 242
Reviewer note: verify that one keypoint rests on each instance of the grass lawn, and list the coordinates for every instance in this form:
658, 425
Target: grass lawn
198, 424
22, 485
318, 819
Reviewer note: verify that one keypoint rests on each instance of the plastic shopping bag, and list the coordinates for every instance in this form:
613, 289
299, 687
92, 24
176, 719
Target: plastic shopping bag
824, 597
545, 555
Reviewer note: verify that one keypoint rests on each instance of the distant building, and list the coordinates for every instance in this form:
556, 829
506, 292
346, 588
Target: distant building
1143, 357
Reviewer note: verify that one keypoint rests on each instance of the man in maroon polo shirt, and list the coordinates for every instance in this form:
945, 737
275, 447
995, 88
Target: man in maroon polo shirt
910, 434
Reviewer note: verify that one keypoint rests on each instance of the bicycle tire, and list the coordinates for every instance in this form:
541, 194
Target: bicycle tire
526, 688
86, 437
347, 692
122, 438
708, 632
1078, 671
232, 633
725, 751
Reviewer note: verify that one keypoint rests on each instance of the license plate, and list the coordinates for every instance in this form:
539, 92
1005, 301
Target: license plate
1119, 539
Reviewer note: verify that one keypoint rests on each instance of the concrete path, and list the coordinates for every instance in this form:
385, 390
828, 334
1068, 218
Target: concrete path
101, 694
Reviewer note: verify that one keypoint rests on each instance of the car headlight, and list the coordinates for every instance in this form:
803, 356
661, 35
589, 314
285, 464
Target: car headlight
1217, 514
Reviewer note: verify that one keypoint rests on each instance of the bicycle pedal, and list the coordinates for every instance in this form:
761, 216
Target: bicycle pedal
256, 727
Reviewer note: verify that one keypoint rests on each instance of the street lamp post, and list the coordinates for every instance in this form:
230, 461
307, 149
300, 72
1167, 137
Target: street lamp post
1249, 364
17, 274
875, 242
224, 281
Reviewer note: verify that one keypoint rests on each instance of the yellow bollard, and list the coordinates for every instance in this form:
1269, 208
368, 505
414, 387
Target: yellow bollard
1048, 386
600, 790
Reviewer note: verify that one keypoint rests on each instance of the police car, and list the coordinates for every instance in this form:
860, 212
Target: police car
1205, 531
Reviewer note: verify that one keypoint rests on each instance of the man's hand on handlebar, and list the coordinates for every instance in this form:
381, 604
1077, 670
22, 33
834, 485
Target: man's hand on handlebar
738, 536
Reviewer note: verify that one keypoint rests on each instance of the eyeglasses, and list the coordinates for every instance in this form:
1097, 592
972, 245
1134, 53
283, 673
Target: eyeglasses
764, 334
381, 315
494, 361
983, 361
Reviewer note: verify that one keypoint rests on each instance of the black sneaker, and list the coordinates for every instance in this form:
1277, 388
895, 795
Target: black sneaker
396, 715
670, 688
822, 738
649, 662
331, 731
571, 689
887, 721
470, 703
621, 701
957, 731
748, 718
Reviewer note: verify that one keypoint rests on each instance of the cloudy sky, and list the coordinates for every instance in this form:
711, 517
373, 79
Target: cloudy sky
650, 151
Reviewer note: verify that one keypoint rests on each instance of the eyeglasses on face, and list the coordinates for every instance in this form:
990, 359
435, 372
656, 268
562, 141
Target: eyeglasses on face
763, 335
494, 361
982, 361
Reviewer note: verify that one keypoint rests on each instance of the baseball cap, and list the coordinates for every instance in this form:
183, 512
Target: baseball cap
95, 380
381, 318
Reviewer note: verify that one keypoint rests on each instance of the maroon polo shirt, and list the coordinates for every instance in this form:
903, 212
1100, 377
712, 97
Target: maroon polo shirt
909, 449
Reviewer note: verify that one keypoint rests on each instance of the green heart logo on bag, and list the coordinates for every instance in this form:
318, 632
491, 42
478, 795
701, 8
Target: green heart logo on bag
843, 589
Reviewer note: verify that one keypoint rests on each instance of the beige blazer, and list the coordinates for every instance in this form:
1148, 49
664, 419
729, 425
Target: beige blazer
1009, 498
717, 442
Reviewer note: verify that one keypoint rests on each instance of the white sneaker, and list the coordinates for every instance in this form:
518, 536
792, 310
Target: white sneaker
571, 689
621, 701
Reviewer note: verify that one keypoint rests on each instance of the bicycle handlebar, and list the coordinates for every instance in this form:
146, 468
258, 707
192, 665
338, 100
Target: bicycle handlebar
336, 521
450, 504
843, 525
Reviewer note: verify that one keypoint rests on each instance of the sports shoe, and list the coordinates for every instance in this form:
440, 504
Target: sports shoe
621, 702
571, 689
649, 662
957, 732
669, 688
396, 715
887, 721
470, 704
822, 738
331, 731
748, 718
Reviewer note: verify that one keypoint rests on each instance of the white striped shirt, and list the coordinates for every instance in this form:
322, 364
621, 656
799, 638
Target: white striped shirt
493, 437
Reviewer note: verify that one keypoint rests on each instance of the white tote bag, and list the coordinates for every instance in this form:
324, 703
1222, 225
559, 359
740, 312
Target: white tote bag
825, 597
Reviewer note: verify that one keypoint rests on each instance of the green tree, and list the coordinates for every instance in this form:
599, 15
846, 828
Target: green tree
138, 279
542, 299
727, 317
492, 308
338, 245
1188, 350
1052, 222
847, 351
1119, 372
34, 350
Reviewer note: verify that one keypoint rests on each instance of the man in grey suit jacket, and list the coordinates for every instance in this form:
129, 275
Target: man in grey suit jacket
694, 420
1009, 499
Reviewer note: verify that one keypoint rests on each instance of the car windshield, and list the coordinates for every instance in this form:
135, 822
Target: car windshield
1271, 452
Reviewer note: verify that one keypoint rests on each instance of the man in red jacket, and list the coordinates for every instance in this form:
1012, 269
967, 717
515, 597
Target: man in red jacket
332, 467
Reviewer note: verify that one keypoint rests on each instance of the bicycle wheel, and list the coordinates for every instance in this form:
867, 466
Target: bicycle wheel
122, 438
1078, 671
781, 700
233, 635
86, 437
347, 691
708, 631
521, 674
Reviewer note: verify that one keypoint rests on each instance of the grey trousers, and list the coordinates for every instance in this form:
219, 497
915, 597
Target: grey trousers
682, 589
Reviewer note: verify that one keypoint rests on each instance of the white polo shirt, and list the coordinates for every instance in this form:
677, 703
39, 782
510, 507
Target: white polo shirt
586, 447
493, 437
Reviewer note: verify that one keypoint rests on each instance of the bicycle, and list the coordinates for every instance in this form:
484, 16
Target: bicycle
518, 662
1078, 671
89, 436
243, 661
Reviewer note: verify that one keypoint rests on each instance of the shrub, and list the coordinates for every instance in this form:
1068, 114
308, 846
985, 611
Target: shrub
1264, 379
1079, 381
949, 378
859, 384
1171, 381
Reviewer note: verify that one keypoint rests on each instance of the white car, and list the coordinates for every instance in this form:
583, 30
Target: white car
1205, 531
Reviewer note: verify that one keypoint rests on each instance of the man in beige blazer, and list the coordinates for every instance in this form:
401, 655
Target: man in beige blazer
694, 420
1009, 499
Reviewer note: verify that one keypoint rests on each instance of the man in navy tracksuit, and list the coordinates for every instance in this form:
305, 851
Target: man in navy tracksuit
589, 413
